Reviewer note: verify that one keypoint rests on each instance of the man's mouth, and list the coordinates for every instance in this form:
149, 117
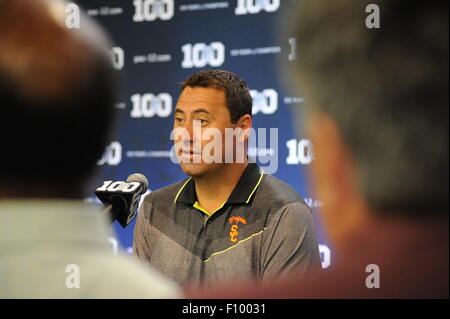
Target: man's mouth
189, 152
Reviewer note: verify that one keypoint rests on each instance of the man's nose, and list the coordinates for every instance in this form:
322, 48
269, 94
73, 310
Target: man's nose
194, 129
189, 126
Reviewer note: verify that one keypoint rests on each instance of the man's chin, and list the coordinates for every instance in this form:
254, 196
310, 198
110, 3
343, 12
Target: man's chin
193, 169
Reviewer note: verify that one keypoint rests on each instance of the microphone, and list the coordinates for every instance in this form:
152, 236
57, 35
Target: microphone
121, 199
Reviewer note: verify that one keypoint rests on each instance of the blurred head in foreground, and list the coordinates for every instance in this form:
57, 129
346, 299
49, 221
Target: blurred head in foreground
377, 104
56, 93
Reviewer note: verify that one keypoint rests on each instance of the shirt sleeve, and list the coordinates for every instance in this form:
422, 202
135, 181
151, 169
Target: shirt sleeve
290, 242
141, 247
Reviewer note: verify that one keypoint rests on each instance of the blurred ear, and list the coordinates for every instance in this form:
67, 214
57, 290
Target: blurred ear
329, 167
334, 177
245, 124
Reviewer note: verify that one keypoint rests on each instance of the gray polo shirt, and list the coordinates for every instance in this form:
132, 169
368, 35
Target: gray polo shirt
263, 230
60, 249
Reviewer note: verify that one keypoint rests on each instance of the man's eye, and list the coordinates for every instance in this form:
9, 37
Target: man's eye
203, 122
178, 120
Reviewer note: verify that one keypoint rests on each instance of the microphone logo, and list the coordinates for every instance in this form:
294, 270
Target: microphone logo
122, 198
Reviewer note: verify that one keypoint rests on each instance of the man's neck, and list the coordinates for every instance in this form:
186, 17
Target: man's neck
214, 189
403, 230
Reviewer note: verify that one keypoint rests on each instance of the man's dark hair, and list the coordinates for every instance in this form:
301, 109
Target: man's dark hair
57, 93
387, 90
238, 99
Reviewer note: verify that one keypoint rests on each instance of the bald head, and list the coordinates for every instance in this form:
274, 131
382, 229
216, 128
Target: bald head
56, 93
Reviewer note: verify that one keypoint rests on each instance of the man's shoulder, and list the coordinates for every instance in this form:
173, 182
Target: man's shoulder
139, 281
277, 192
99, 273
165, 194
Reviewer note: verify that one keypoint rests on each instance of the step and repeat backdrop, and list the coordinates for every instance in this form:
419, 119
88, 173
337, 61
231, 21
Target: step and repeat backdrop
159, 43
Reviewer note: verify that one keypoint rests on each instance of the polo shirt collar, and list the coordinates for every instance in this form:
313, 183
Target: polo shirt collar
242, 193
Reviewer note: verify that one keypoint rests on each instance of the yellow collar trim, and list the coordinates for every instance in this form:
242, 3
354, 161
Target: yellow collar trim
178, 194
256, 186
200, 208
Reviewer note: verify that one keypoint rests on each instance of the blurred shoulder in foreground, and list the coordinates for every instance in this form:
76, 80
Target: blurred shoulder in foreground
57, 90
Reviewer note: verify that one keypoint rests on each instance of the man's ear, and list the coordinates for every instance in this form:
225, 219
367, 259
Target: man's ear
334, 177
330, 164
245, 124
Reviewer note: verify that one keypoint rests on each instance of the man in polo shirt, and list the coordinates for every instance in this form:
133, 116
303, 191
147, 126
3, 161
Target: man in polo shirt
228, 220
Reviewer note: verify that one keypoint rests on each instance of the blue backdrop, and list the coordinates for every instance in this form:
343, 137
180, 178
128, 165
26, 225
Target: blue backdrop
157, 44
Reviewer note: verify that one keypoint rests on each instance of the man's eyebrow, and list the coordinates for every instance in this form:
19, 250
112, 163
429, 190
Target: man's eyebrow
197, 111
201, 111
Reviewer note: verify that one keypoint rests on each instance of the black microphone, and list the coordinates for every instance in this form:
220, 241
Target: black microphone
121, 199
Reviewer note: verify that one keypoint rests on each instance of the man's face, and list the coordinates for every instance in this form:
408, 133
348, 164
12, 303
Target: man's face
198, 111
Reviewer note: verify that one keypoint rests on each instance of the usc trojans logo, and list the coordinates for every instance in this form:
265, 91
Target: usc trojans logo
234, 228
